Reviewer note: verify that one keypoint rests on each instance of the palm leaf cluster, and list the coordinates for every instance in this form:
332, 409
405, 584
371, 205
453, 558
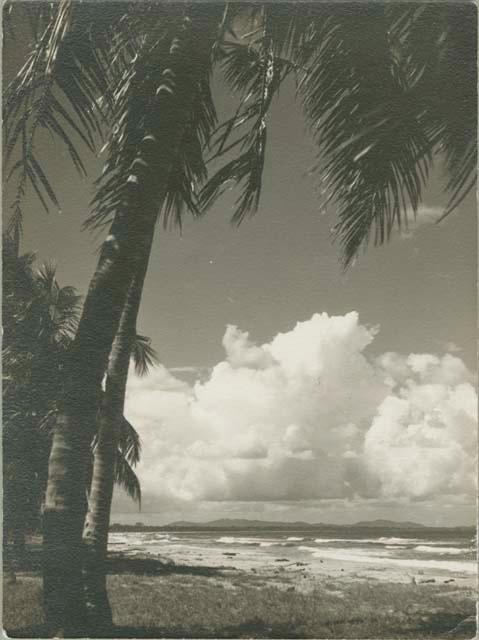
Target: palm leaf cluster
440, 48
252, 70
62, 89
39, 319
128, 456
375, 155
143, 356
384, 88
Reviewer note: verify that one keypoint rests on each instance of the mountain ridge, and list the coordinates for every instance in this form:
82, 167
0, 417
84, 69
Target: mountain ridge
236, 523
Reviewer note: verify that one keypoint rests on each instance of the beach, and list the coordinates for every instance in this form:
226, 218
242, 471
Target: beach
310, 555
250, 584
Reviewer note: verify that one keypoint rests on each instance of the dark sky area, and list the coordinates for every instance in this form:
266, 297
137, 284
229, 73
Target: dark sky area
281, 265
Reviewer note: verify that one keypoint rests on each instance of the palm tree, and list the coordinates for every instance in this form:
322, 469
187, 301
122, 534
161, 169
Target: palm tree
39, 321
140, 175
113, 430
19, 471
381, 100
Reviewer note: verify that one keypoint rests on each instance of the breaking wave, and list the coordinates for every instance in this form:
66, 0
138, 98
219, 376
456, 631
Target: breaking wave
234, 540
365, 556
442, 550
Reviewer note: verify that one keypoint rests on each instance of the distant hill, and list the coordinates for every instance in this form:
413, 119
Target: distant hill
263, 524
227, 524
389, 524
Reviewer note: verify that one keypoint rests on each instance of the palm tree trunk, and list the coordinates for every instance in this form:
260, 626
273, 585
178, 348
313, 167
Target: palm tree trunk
19, 547
145, 189
97, 522
65, 503
19, 515
8, 564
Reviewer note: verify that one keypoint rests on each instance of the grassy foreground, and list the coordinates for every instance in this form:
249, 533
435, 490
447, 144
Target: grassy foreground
225, 604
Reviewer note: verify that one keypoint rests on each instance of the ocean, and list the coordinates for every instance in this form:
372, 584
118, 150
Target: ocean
444, 550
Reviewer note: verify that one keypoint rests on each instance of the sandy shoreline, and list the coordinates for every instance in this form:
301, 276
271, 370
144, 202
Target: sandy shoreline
301, 568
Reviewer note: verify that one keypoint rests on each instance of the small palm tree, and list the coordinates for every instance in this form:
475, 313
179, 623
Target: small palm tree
19, 470
380, 97
39, 322
40, 319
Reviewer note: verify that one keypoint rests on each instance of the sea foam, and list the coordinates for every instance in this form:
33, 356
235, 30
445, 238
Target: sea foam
235, 540
442, 550
362, 555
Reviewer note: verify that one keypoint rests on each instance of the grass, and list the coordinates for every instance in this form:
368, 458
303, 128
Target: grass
226, 604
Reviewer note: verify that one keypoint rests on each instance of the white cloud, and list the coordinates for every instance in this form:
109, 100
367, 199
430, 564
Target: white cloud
422, 441
307, 416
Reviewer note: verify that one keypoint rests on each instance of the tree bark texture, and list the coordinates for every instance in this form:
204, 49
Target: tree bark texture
97, 522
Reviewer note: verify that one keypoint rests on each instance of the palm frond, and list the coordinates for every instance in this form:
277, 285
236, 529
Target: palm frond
39, 320
382, 91
61, 305
35, 14
374, 151
15, 263
143, 354
255, 72
63, 88
47, 422
190, 172
126, 478
440, 42
129, 442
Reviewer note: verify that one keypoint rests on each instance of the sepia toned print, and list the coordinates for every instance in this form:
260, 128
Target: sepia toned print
239, 272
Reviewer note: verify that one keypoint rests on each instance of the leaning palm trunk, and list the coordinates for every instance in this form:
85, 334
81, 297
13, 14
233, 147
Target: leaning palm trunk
143, 186
97, 522
65, 504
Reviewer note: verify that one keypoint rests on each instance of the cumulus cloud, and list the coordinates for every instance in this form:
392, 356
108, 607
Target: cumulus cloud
422, 439
307, 416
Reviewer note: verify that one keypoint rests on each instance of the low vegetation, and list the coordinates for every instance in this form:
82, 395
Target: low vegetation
200, 603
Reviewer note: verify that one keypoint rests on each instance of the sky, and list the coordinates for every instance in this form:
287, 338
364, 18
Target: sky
289, 389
